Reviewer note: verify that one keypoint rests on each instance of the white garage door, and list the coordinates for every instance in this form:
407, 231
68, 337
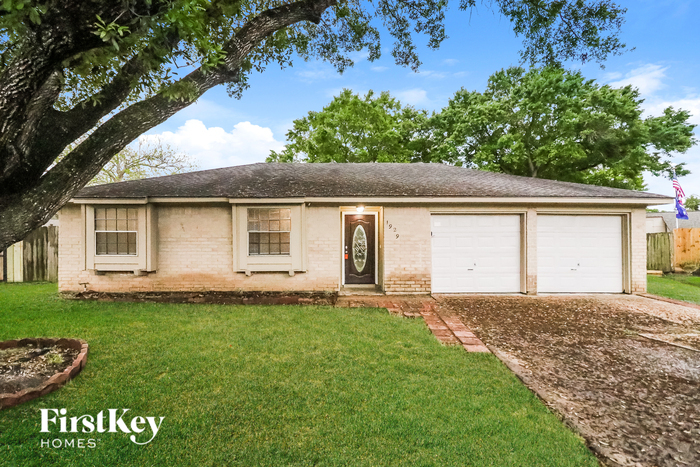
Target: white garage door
475, 253
579, 254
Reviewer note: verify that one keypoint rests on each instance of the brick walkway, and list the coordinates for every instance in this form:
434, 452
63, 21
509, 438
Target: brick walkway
448, 329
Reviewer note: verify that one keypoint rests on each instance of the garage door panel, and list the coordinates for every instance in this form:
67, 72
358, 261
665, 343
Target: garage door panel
579, 253
483, 253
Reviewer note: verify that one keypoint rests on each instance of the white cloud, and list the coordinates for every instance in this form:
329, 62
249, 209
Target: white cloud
318, 71
379, 69
414, 96
215, 147
430, 74
690, 103
358, 57
450, 61
648, 79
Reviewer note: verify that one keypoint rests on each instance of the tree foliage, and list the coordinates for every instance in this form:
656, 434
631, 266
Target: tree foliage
555, 124
67, 65
545, 123
373, 128
692, 203
150, 158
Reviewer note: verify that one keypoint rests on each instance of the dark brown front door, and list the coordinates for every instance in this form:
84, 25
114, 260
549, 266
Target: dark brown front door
358, 250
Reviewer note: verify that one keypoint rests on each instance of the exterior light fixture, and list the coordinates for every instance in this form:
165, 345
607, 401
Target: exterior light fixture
360, 209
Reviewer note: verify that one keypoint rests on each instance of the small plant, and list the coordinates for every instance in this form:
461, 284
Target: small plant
54, 359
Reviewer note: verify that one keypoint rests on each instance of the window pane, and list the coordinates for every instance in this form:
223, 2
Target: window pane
132, 243
111, 243
101, 243
269, 231
122, 249
111, 227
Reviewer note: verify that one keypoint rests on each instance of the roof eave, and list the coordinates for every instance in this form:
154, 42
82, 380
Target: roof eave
385, 200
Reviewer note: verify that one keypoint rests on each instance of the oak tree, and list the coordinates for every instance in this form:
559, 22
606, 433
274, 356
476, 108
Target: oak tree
373, 128
552, 123
67, 65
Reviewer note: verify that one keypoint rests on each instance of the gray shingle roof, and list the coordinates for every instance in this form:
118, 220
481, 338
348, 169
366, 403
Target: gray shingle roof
670, 219
282, 180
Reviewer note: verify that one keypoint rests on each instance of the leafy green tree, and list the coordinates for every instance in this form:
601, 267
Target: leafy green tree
357, 129
66, 65
552, 123
692, 203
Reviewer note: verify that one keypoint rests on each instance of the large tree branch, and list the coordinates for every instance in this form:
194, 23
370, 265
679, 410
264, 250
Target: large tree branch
57, 186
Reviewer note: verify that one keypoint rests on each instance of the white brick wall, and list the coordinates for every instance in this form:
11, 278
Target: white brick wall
195, 253
407, 259
638, 238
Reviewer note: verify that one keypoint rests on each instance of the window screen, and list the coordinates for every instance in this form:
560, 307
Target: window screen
115, 231
269, 231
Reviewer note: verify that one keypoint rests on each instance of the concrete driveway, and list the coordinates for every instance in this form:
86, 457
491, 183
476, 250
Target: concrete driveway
624, 371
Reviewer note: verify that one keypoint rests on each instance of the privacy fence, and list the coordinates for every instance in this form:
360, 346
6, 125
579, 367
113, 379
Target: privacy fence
668, 251
33, 259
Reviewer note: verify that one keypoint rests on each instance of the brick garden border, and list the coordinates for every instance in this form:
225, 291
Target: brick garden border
55, 381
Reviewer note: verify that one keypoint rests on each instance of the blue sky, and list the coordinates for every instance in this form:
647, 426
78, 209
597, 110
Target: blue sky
219, 131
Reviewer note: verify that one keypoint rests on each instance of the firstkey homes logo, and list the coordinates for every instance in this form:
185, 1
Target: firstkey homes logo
142, 430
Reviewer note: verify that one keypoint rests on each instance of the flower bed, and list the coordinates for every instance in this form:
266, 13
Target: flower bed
36, 348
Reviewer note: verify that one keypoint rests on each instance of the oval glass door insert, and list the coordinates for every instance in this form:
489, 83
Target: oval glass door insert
359, 248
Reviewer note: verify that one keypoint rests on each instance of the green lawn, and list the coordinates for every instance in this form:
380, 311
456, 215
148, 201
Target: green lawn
276, 385
677, 286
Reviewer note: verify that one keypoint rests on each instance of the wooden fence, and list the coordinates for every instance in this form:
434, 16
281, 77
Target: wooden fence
35, 258
687, 249
660, 251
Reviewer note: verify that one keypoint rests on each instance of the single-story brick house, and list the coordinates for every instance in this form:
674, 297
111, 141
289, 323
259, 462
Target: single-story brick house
396, 228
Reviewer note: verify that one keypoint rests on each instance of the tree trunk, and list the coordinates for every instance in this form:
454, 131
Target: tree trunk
30, 195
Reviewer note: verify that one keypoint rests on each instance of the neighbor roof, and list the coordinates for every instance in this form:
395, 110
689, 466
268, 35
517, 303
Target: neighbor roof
287, 180
670, 219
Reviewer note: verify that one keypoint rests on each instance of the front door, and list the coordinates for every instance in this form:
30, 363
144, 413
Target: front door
359, 249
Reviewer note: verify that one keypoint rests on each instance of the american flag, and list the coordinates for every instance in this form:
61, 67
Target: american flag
677, 186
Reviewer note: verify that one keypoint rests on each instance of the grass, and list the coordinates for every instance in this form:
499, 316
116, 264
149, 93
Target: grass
274, 385
677, 286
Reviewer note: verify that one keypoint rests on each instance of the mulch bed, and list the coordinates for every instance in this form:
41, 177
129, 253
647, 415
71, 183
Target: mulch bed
33, 367
28, 366
636, 400
226, 298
